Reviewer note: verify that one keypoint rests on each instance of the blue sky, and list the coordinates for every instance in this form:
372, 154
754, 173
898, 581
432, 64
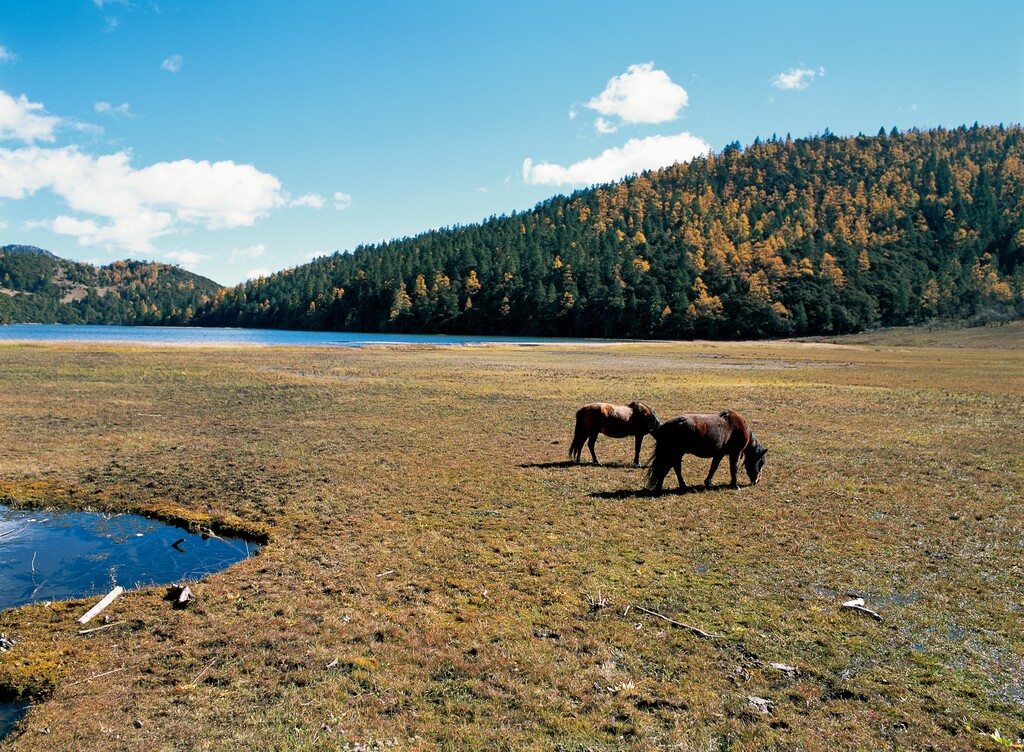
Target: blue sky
242, 137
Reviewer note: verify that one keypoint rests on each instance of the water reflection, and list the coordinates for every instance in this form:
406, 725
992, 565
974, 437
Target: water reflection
48, 556
10, 714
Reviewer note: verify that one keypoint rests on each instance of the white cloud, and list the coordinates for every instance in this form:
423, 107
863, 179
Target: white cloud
255, 251
131, 207
6, 56
22, 120
640, 95
796, 79
257, 273
122, 110
173, 63
187, 259
342, 200
636, 155
311, 200
133, 233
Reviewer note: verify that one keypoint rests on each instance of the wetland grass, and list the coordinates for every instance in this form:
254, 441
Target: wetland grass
438, 576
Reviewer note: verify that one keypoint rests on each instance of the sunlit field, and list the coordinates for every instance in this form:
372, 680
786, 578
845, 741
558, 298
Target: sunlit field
438, 575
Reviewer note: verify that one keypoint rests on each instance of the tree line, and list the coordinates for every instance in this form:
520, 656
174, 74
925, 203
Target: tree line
38, 287
821, 235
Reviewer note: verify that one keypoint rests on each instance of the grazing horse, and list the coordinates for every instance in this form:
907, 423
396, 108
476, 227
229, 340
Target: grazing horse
711, 436
635, 419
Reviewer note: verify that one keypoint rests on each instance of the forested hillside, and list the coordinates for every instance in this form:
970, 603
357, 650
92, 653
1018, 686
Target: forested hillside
807, 236
38, 287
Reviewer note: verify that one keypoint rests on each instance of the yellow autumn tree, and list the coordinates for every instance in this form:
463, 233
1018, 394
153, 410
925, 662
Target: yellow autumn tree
830, 270
401, 302
419, 287
703, 305
930, 298
758, 288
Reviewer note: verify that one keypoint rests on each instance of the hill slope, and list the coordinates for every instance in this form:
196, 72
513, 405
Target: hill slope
811, 236
38, 287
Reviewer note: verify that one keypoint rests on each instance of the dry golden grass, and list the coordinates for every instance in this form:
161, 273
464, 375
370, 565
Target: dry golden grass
438, 575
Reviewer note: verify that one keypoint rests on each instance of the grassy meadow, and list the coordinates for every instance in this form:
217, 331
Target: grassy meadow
439, 576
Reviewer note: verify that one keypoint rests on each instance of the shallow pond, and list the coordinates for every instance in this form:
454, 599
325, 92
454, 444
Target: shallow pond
47, 556
10, 714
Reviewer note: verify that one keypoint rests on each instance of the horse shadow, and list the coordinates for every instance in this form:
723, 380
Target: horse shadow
549, 465
633, 493
572, 463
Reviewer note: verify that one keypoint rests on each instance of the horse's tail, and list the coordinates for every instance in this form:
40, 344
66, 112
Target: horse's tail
579, 438
662, 457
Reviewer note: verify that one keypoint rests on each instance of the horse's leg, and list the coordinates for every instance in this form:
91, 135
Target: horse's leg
636, 454
733, 459
590, 446
714, 467
679, 473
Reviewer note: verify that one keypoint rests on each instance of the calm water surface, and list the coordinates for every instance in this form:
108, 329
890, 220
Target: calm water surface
10, 714
47, 556
212, 336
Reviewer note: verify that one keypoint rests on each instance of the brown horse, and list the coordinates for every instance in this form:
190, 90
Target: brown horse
635, 419
711, 436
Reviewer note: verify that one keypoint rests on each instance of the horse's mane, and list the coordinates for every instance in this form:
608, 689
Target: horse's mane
724, 414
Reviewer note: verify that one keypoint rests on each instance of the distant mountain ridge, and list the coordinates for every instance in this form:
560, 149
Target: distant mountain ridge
37, 286
821, 235
27, 249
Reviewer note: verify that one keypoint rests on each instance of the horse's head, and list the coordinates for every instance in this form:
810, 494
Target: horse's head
753, 459
644, 417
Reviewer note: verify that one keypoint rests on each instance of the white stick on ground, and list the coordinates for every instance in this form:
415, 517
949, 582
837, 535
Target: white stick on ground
857, 604
675, 623
107, 600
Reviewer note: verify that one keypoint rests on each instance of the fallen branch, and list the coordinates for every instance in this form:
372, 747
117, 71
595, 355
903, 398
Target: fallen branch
195, 682
107, 600
96, 676
857, 604
99, 629
675, 623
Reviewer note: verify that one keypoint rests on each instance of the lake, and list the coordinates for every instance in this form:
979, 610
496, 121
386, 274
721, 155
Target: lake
185, 335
